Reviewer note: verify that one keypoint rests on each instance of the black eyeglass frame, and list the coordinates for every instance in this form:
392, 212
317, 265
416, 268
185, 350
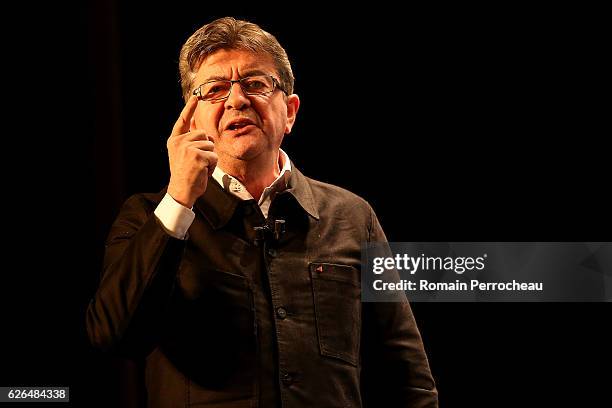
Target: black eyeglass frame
275, 85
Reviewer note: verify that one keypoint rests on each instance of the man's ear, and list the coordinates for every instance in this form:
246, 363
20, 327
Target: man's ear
293, 105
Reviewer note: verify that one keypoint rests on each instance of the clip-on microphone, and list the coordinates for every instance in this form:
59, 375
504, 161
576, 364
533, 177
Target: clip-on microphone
265, 232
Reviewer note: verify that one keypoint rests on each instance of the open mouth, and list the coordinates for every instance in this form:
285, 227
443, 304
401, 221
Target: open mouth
239, 125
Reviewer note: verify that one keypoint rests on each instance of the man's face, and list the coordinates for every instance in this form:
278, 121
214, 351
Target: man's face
272, 116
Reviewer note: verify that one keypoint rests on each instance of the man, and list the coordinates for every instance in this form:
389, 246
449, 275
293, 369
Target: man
239, 284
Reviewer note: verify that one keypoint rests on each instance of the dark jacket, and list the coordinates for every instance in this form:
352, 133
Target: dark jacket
233, 317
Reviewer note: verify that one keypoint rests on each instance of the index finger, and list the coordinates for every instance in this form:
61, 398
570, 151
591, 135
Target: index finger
182, 124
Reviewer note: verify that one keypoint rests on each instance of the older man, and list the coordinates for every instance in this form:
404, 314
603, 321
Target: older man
239, 284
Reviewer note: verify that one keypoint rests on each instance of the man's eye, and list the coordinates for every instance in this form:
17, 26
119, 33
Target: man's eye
216, 88
255, 85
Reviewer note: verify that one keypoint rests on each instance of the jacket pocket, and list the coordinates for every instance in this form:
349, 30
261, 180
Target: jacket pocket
337, 304
212, 339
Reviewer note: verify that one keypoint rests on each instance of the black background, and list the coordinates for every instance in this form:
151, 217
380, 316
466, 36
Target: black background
475, 124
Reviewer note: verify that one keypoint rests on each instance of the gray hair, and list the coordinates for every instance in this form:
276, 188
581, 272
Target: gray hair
229, 33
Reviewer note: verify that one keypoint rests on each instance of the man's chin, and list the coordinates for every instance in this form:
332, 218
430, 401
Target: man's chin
246, 153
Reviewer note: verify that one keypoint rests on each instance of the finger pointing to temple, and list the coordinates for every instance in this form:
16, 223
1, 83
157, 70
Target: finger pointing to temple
182, 124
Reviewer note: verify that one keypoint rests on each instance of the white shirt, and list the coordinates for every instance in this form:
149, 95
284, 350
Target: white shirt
176, 219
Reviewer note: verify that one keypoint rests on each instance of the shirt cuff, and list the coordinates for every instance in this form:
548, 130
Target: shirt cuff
174, 218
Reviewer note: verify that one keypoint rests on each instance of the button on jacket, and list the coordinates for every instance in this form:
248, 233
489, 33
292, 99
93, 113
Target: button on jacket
238, 316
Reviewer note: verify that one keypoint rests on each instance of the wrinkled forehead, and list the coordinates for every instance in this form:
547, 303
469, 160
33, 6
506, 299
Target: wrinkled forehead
234, 64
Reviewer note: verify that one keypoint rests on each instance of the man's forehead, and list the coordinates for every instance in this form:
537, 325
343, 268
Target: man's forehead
224, 62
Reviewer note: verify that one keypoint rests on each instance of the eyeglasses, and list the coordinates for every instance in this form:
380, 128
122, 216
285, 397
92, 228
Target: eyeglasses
251, 85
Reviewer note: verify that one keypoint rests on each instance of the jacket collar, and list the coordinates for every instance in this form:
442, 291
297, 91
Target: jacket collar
217, 206
299, 187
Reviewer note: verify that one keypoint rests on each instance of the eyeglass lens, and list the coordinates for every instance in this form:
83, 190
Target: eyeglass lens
254, 85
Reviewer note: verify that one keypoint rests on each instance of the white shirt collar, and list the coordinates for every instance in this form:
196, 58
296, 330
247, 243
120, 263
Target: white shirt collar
234, 186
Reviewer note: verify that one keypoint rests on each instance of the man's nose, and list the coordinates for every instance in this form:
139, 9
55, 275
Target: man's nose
237, 99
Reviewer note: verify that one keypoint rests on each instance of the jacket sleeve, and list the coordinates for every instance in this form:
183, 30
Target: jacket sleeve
139, 270
395, 370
